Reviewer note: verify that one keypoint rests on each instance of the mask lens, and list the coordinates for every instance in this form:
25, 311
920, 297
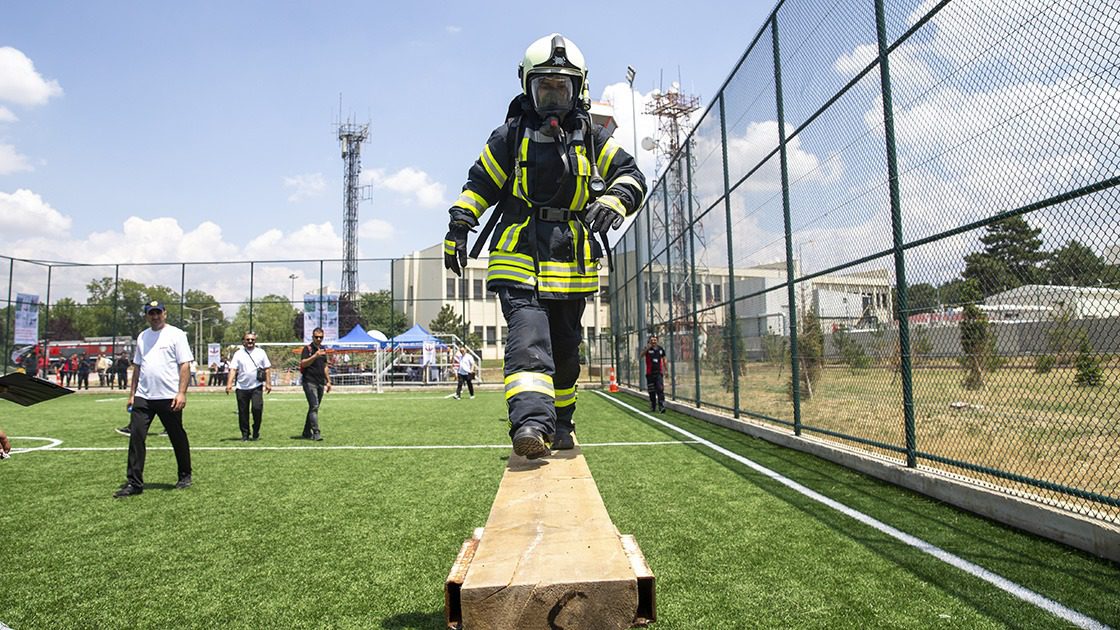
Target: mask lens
552, 94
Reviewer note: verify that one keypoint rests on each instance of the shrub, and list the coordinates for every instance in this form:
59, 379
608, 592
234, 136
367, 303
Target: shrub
1044, 363
1088, 365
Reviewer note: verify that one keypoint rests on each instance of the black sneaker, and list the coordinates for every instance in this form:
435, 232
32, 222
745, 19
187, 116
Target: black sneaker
127, 431
244, 438
255, 438
662, 410
316, 438
184, 482
128, 490
528, 442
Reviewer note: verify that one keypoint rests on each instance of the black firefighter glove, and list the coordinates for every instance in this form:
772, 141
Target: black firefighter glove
455, 247
602, 218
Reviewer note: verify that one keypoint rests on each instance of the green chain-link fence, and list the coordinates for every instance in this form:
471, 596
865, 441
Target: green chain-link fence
896, 227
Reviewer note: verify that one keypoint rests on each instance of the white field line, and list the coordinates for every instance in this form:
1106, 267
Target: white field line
1000, 582
402, 447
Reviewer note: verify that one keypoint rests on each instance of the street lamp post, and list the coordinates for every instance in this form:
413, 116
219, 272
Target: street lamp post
198, 327
293, 279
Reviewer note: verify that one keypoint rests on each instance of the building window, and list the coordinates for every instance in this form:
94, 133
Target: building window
604, 293
450, 288
667, 292
463, 288
491, 335
478, 289
717, 292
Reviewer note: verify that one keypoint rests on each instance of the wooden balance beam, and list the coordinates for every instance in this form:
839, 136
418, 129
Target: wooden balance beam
549, 557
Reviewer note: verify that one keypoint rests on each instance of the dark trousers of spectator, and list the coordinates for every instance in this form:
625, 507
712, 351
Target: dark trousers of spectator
101, 378
314, 394
83, 379
254, 398
469, 380
66, 376
655, 385
122, 379
143, 412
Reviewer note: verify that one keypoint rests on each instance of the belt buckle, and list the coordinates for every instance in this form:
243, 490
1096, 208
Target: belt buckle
554, 215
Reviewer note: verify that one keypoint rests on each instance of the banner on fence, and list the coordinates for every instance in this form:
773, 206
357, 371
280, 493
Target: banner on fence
27, 318
213, 353
320, 311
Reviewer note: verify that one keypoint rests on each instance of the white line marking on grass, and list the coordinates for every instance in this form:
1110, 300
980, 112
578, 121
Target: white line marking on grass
1022, 592
111, 399
386, 447
51, 444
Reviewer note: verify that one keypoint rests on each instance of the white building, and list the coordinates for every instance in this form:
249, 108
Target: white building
1034, 302
422, 287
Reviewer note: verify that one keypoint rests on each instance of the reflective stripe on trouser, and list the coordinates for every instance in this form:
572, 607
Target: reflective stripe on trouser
542, 356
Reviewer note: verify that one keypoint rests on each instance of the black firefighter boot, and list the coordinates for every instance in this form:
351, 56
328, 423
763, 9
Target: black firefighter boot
563, 439
529, 442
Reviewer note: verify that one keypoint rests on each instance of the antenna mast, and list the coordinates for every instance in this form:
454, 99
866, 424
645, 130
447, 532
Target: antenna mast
351, 136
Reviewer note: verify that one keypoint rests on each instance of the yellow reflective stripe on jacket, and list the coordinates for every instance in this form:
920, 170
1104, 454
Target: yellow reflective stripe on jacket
520, 184
583, 172
566, 397
606, 154
512, 235
627, 180
449, 248
492, 167
521, 382
512, 259
578, 284
471, 201
613, 203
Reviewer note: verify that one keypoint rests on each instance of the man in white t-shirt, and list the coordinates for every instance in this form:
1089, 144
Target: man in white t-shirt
160, 376
465, 370
249, 370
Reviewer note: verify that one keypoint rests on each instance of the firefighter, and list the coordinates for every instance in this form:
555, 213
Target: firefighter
560, 183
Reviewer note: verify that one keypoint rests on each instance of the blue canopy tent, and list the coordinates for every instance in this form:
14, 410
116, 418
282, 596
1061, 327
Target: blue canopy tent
414, 339
356, 339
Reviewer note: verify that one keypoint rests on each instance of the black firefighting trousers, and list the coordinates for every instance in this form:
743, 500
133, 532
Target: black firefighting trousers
542, 359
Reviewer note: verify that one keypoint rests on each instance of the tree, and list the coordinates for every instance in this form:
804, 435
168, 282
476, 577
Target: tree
810, 359
1064, 338
62, 324
1011, 256
921, 298
978, 345
130, 298
1075, 265
1088, 366
447, 322
272, 321
851, 352
375, 310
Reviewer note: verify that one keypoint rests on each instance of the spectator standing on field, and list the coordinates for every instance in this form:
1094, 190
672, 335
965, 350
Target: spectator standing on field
465, 372
315, 376
122, 371
103, 363
159, 388
249, 371
83, 372
656, 362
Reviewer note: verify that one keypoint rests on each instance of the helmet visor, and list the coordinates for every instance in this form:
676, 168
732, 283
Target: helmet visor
552, 93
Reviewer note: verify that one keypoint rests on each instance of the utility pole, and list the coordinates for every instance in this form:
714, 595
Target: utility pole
350, 137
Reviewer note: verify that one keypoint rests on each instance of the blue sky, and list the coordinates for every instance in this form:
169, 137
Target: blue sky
134, 131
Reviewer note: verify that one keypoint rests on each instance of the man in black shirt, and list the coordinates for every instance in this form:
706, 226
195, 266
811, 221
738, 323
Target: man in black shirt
316, 377
656, 362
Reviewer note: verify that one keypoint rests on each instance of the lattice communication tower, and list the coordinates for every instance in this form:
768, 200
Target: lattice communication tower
351, 136
673, 110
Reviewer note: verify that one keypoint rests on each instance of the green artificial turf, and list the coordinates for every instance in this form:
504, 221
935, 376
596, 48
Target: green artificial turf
293, 534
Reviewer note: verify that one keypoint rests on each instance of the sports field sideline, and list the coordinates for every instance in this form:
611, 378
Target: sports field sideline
360, 530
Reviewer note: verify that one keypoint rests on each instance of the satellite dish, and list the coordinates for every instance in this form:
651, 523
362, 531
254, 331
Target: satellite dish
648, 144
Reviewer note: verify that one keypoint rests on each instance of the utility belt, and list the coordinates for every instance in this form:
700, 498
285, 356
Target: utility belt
555, 215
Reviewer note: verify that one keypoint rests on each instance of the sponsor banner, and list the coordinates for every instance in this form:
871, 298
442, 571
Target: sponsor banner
213, 353
320, 311
27, 318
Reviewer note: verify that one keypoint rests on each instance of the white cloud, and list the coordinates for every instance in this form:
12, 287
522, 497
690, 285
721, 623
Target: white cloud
619, 96
316, 240
376, 230
19, 81
454, 29
24, 214
6, 115
11, 161
305, 186
416, 186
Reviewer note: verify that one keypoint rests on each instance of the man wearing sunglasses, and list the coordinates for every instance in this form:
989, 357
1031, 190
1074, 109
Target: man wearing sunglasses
249, 370
316, 377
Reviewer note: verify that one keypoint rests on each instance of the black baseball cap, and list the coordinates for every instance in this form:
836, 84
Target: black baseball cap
154, 305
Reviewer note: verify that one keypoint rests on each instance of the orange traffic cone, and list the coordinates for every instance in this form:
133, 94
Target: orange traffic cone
614, 382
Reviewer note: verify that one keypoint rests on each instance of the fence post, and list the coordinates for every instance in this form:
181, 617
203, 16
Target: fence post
320, 307
667, 295
734, 325
252, 269
795, 373
692, 274
183, 294
8, 313
116, 284
896, 225
47, 326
